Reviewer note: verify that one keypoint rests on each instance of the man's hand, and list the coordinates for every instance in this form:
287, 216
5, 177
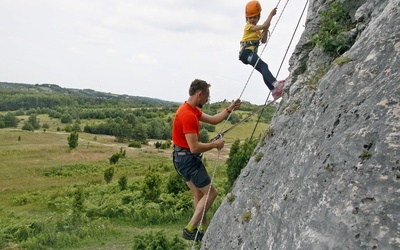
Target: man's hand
219, 143
234, 105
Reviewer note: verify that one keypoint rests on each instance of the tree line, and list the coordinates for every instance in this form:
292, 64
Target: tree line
125, 118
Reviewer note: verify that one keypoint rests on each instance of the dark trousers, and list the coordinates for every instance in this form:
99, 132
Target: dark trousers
249, 57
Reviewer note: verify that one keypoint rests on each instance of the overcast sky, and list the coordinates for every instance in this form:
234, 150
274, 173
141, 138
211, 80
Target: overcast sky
142, 48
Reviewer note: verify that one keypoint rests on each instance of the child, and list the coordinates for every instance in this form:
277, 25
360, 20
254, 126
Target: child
252, 36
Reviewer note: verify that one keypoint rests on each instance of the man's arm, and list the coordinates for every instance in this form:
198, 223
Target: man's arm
217, 118
197, 147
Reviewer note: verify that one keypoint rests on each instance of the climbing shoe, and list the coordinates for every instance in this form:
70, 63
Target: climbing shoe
192, 235
278, 89
279, 84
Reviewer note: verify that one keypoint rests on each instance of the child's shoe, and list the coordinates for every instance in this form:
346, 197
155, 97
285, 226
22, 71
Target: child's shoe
277, 93
279, 84
278, 89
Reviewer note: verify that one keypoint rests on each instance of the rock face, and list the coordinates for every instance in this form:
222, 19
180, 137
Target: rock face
329, 175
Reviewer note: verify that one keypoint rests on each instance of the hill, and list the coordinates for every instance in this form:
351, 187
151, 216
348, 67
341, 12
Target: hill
8, 89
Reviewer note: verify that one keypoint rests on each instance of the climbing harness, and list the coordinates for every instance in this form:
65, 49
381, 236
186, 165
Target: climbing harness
245, 45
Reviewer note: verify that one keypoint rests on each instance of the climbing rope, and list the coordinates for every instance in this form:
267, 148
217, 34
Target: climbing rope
220, 134
283, 59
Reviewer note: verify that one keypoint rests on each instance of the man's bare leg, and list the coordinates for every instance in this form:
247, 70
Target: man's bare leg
199, 200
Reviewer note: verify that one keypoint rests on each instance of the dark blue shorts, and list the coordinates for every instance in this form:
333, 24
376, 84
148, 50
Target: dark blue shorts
191, 167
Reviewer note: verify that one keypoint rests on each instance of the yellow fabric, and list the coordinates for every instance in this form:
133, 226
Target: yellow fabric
250, 35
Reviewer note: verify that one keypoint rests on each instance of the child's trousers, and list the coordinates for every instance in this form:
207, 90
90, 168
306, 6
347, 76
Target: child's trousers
249, 57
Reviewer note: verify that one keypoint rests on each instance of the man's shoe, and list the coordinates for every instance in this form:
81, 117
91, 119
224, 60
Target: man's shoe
192, 235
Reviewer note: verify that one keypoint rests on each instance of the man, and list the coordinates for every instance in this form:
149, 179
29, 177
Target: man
187, 152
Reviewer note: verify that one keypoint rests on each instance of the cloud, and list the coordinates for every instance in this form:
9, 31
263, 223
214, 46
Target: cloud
143, 59
114, 45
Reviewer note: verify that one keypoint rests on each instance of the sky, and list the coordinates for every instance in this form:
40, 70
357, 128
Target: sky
141, 48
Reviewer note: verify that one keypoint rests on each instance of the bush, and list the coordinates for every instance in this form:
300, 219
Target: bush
115, 157
123, 182
135, 144
157, 241
332, 37
73, 140
27, 126
175, 183
151, 187
239, 155
109, 174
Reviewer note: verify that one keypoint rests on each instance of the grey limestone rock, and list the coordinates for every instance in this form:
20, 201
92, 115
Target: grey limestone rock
329, 177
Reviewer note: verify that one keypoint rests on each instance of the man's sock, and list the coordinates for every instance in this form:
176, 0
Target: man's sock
203, 227
190, 227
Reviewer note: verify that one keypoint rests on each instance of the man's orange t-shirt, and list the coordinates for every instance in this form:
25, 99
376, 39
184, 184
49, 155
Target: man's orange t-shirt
186, 121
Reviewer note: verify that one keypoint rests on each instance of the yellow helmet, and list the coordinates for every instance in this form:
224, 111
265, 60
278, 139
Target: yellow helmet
253, 8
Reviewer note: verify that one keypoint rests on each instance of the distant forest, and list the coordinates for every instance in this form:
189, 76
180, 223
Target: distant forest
128, 118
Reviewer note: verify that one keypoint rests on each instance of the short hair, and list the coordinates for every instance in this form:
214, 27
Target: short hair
198, 85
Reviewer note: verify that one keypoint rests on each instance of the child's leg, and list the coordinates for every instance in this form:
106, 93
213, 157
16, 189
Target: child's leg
249, 57
262, 67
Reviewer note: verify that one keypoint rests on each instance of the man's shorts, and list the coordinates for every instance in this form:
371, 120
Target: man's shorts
191, 167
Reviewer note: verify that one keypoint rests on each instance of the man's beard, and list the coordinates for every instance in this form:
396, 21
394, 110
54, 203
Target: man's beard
200, 105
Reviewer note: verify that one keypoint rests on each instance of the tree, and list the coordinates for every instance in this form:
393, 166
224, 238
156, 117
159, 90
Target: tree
239, 155
67, 118
76, 127
234, 118
122, 131
28, 126
139, 133
10, 120
34, 121
73, 140
204, 135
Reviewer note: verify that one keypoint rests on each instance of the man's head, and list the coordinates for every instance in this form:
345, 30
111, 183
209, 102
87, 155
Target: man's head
200, 89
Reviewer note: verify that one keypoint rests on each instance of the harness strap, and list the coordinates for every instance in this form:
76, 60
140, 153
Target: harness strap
244, 45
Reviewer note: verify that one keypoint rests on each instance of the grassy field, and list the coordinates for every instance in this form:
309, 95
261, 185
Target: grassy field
37, 170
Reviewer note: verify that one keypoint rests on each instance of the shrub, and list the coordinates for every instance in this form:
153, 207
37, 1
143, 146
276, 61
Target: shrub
239, 155
175, 183
27, 126
331, 37
157, 241
115, 157
77, 205
109, 174
135, 144
73, 140
123, 182
151, 187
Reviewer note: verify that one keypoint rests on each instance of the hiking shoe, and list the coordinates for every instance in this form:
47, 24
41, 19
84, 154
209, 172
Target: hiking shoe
192, 235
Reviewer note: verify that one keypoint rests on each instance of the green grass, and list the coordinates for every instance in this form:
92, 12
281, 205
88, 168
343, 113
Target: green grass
40, 170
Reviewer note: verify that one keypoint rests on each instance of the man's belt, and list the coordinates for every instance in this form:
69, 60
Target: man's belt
177, 148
